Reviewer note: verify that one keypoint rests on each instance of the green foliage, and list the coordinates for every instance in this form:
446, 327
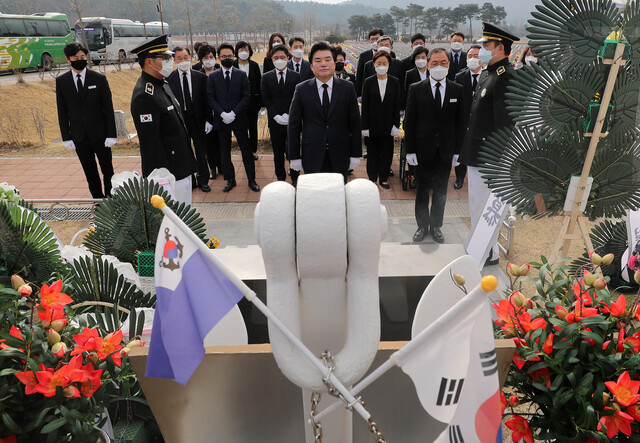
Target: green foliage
335, 38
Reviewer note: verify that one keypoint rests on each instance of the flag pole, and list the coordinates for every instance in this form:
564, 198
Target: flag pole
159, 203
474, 297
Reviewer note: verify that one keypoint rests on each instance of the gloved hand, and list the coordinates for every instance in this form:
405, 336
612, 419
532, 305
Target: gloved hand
208, 127
69, 144
280, 120
412, 159
365, 133
455, 161
359, 99
109, 142
354, 162
296, 165
232, 116
228, 117
401, 113
394, 131
285, 117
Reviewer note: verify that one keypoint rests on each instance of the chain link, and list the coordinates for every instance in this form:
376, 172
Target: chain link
316, 426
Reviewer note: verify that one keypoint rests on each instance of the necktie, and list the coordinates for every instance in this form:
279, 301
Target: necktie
475, 81
297, 67
281, 81
188, 104
227, 79
79, 84
325, 100
438, 97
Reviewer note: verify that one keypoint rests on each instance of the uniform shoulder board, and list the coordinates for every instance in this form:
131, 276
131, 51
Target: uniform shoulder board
501, 70
149, 88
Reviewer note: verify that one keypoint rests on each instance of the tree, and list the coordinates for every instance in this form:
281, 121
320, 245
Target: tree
335, 39
491, 14
399, 15
413, 12
431, 19
472, 12
448, 23
383, 21
358, 24
78, 7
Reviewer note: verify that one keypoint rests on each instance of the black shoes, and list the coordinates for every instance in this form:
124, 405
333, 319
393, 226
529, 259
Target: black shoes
385, 185
458, 184
436, 233
255, 157
419, 235
252, 185
205, 187
391, 174
229, 186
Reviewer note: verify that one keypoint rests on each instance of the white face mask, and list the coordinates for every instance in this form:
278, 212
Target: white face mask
184, 66
298, 53
209, 64
381, 70
531, 59
385, 49
243, 55
167, 68
280, 64
438, 73
473, 63
374, 46
456, 46
421, 63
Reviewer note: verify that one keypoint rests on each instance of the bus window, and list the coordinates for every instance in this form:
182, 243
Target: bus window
37, 28
118, 31
12, 27
58, 28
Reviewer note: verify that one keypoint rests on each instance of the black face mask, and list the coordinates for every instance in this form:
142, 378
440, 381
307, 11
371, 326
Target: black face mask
339, 66
78, 65
227, 63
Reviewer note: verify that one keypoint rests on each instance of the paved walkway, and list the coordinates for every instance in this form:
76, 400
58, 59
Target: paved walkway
62, 178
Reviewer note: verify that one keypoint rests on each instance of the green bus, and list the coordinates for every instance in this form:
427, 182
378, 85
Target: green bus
33, 41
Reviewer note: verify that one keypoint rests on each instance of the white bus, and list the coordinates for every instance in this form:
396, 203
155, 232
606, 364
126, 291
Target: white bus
111, 39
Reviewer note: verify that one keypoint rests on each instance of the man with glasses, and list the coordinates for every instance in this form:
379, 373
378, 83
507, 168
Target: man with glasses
163, 136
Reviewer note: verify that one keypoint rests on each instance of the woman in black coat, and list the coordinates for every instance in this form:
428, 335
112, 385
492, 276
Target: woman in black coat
274, 40
252, 69
420, 72
381, 100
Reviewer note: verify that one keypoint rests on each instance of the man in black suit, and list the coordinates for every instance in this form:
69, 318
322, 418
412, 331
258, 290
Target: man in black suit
164, 139
468, 78
85, 116
366, 56
229, 95
488, 114
278, 86
324, 111
434, 129
297, 63
457, 57
385, 43
417, 40
190, 88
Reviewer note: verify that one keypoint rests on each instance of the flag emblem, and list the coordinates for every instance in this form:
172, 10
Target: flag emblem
146, 118
489, 362
172, 252
449, 392
455, 434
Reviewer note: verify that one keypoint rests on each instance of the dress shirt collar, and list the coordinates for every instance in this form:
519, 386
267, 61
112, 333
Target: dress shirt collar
329, 82
83, 75
284, 75
225, 70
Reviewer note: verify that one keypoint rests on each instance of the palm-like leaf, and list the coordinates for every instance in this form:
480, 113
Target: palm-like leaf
571, 31
27, 245
609, 237
95, 279
625, 100
631, 27
127, 223
520, 164
546, 97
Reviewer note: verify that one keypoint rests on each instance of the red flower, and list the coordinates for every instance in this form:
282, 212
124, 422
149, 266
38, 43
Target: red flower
52, 298
548, 344
28, 378
519, 361
634, 411
48, 382
503, 402
9, 439
108, 346
625, 389
14, 332
542, 375
579, 312
48, 316
634, 340
520, 429
619, 308
619, 421
85, 341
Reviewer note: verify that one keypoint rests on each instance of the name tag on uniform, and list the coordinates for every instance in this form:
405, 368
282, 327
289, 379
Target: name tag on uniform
453, 100
91, 87
170, 108
146, 118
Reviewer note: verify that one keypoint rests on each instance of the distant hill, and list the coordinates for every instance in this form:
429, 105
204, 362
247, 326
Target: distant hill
329, 14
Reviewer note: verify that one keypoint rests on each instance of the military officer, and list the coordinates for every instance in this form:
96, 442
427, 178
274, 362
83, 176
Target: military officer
163, 136
488, 114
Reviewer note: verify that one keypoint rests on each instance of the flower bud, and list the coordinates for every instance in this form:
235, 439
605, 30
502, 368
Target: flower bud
510, 331
71, 391
636, 276
607, 259
59, 349
57, 325
517, 299
595, 258
513, 401
529, 304
24, 291
524, 269
561, 312
93, 358
633, 262
606, 398
600, 284
45, 324
589, 278
16, 281
135, 343
53, 337
124, 352
513, 269
459, 279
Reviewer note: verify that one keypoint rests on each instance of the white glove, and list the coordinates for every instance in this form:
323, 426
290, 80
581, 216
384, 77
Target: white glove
228, 117
296, 165
281, 120
109, 142
455, 161
354, 162
394, 131
232, 116
69, 144
359, 99
285, 118
208, 127
401, 113
412, 159
365, 133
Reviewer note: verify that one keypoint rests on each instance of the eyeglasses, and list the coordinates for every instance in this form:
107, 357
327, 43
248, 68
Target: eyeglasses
164, 57
222, 57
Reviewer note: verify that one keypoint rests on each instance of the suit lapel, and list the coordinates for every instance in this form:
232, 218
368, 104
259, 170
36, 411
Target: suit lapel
335, 95
315, 96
